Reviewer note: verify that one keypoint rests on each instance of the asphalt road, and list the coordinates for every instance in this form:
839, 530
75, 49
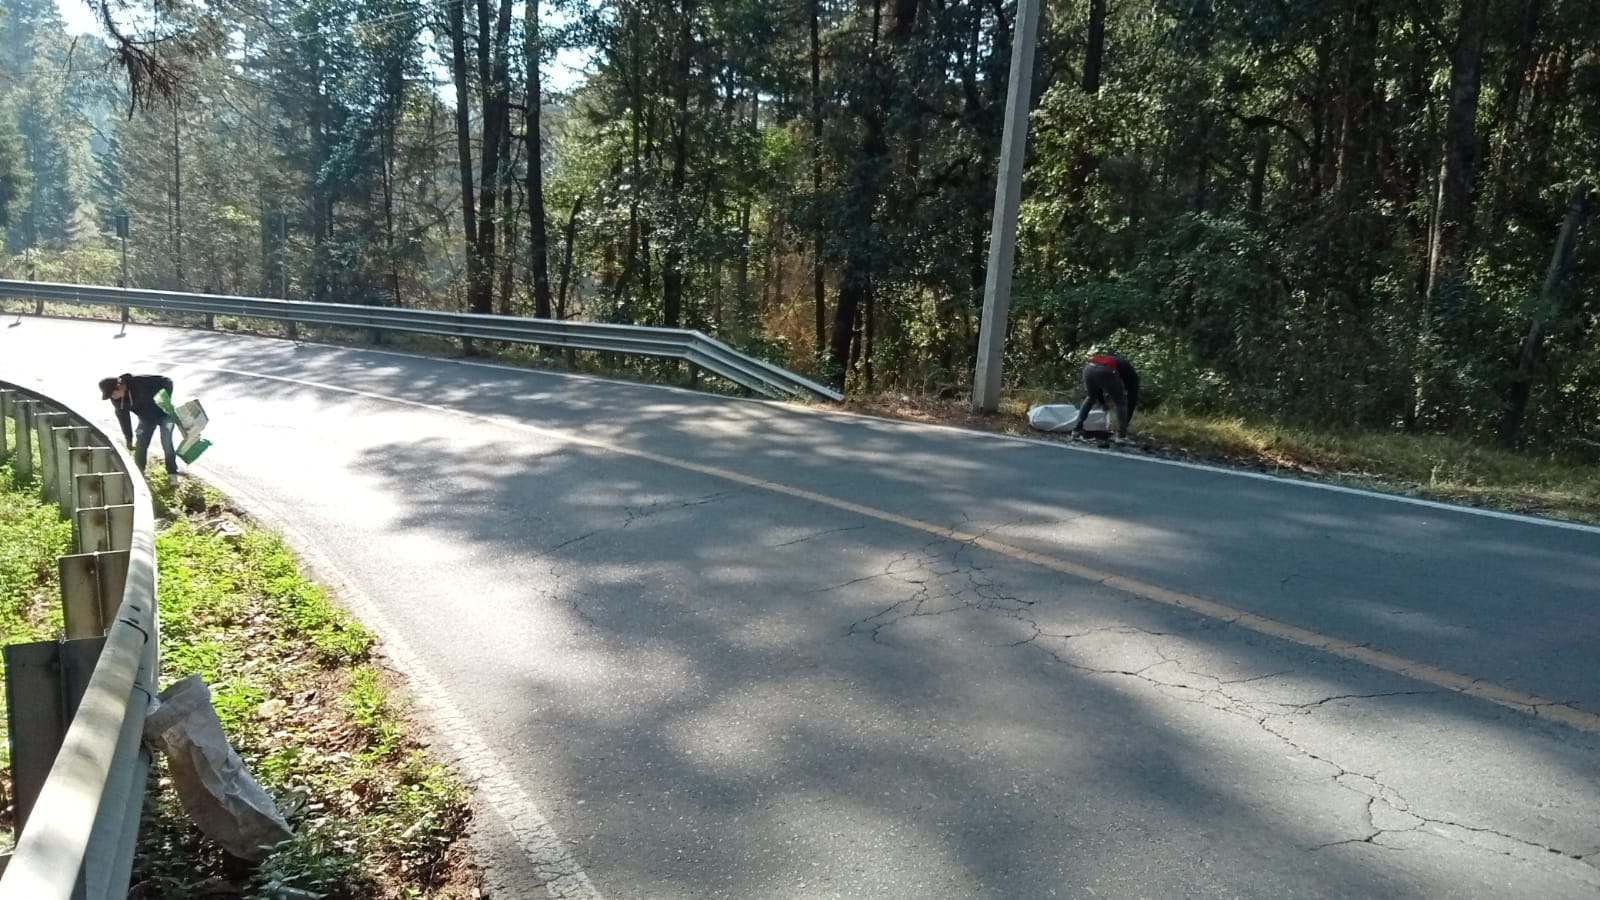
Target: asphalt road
691, 647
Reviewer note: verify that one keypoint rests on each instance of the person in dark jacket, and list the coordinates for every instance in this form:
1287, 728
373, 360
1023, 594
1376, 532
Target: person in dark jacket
1109, 379
135, 395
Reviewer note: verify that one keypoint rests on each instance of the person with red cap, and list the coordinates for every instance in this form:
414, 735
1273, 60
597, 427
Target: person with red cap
1109, 380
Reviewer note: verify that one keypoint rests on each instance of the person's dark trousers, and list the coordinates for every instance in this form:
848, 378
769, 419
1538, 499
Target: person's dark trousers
1100, 383
146, 430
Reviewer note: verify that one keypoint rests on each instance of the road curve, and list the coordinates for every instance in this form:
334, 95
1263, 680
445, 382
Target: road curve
691, 647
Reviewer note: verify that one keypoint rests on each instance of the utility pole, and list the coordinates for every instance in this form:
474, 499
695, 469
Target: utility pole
177, 197
278, 227
1007, 197
121, 219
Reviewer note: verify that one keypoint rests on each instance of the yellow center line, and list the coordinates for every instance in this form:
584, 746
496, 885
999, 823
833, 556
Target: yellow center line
1429, 674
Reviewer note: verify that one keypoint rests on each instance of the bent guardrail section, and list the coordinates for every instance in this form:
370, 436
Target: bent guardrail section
709, 354
77, 705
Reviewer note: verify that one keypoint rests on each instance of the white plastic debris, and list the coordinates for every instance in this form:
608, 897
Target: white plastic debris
217, 792
1061, 416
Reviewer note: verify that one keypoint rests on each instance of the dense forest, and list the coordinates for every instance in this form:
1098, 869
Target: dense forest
1354, 213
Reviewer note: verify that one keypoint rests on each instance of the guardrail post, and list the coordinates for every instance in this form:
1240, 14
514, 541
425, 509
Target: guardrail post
84, 458
104, 528
102, 488
45, 680
44, 426
294, 329
5, 413
91, 590
64, 438
22, 460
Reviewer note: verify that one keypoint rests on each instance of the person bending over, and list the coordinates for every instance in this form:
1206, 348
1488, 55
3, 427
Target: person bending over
1110, 382
135, 395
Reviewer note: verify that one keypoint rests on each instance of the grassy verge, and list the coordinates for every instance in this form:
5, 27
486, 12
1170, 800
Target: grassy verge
1449, 469
300, 694
32, 535
310, 711
1452, 469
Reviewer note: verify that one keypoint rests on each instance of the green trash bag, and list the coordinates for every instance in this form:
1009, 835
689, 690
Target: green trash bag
191, 448
191, 419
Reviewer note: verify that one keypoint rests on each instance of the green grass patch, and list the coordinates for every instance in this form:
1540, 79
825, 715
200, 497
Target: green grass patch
32, 536
374, 815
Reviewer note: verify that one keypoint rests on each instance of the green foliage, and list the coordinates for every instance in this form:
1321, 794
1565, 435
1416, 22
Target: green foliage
1251, 190
32, 536
311, 617
373, 815
366, 703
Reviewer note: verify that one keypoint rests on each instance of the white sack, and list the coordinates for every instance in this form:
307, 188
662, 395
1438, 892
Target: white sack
1060, 416
220, 796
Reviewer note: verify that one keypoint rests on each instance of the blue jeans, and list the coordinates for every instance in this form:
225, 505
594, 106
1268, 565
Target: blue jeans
146, 430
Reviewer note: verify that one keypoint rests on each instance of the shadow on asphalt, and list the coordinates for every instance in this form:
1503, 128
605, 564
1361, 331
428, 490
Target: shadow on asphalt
789, 668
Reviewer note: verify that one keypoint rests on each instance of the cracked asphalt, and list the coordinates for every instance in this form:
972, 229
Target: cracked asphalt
690, 647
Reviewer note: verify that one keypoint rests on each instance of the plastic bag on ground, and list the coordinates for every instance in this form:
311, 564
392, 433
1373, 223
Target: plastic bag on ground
217, 792
1060, 416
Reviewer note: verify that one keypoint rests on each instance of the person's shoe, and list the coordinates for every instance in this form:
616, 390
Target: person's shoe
1121, 440
1075, 434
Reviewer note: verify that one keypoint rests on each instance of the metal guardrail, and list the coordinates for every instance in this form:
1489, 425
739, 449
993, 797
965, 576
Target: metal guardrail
707, 353
76, 706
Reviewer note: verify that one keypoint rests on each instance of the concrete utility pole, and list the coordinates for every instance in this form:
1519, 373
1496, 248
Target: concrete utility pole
121, 221
1007, 197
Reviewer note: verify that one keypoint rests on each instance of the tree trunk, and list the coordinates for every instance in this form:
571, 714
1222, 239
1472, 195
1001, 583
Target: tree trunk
1094, 56
855, 284
538, 238
672, 274
741, 270
493, 68
1453, 211
1084, 162
630, 262
1532, 356
177, 200
869, 334
570, 239
506, 263
1508, 113
818, 273
1258, 172
469, 214
1352, 174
